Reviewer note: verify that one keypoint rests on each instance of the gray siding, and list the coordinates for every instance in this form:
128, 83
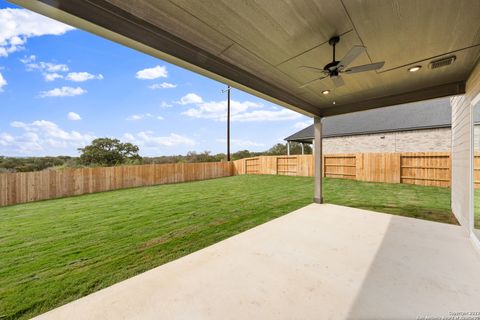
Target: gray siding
461, 159
462, 150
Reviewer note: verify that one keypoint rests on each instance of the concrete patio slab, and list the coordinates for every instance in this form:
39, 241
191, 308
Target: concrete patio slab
319, 262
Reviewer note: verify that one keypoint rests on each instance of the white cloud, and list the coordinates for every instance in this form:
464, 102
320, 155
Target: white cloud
239, 111
3, 82
143, 116
52, 76
50, 129
63, 92
73, 116
6, 139
52, 71
49, 70
152, 73
148, 140
165, 105
302, 124
135, 117
140, 116
32, 64
17, 25
42, 136
52, 67
266, 115
129, 137
190, 98
217, 110
82, 76
17, 124
240, 143
163, 85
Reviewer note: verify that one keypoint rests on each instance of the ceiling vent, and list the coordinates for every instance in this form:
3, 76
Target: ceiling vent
442, 62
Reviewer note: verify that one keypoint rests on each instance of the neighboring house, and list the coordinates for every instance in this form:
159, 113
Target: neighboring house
414, 127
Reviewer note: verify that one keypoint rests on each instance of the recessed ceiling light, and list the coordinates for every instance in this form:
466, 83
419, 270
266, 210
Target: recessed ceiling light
414, 68
326, 91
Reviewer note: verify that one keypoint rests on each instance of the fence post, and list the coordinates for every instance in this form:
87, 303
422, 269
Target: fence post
399, 173
358, 166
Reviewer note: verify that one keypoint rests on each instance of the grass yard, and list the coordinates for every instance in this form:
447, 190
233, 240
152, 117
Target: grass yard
476, 209
56, 251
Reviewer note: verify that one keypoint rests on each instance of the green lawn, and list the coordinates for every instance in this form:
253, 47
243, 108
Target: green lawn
55, 251
477, 209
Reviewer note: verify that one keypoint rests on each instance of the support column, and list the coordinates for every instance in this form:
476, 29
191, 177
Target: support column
303, 148
288, 148
317, 159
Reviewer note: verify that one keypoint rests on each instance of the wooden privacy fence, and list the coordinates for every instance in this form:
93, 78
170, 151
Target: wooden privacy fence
476, 170
281, 165
429, 169
32, 186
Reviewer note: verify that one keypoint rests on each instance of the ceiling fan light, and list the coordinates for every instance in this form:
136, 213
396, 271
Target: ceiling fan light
414, 68
325, 92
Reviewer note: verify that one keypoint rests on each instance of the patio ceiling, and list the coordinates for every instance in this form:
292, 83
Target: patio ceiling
258, 46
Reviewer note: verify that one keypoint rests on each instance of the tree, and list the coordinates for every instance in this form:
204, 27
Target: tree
278, 150
295, 148
243, 154
109, 152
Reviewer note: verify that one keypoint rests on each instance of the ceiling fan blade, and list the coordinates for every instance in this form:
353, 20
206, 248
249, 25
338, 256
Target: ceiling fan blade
337, 81
351, 55
310, 82
312, 69
365, 67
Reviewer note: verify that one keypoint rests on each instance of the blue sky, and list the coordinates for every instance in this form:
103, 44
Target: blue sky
61, 87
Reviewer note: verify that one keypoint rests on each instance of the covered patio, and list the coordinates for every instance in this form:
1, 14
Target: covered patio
319, 262
322, 261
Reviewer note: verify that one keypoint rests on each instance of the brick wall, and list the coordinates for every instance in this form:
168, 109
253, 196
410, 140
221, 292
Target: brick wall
428, 140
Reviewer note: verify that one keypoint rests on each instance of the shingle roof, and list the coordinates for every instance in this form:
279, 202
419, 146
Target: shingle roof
412, 116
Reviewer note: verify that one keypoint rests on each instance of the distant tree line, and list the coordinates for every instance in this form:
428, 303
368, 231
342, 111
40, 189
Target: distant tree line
14, 164
113, 152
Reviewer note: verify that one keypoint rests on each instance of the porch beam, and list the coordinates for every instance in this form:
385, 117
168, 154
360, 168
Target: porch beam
317, 160
443, 90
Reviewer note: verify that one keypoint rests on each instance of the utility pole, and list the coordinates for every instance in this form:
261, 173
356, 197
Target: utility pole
228, 120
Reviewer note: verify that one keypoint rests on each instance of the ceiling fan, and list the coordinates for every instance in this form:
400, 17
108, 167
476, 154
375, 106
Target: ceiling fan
334, 69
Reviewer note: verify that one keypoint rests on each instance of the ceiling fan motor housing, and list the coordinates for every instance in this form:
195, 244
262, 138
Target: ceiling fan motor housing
331, 68
334, 40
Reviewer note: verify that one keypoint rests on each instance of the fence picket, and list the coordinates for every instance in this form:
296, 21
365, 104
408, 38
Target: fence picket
429, 169
24, 187
422, 168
